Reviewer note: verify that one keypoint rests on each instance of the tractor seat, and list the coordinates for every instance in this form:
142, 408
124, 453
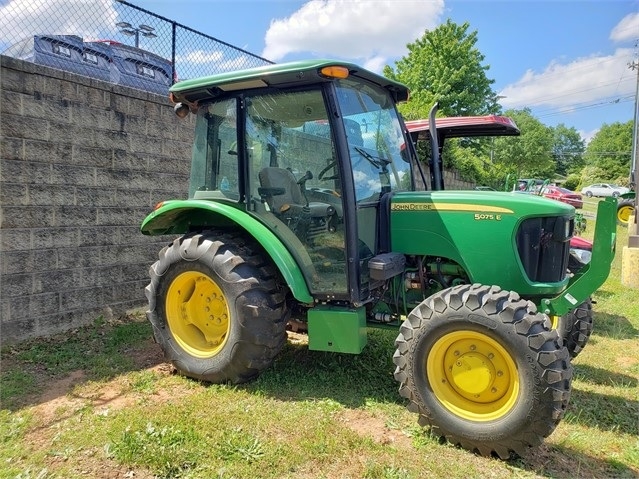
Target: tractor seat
283, 194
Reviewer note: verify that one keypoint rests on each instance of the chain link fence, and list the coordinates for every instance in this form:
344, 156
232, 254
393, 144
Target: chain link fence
114, 41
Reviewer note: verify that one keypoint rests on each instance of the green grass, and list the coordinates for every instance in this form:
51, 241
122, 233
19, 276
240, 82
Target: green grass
99, 402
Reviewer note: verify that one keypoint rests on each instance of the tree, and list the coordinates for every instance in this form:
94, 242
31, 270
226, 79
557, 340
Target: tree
528, 155
567, 150
444, 66
609, 154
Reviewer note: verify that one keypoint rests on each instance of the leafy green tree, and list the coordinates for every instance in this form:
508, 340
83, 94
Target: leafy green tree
590, 175
572, 181
567, 150
609, 154
445, 66
528, 155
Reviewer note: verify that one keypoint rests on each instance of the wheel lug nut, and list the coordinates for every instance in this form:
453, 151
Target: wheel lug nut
473, 347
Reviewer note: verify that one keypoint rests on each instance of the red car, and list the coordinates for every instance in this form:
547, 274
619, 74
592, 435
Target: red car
564, 195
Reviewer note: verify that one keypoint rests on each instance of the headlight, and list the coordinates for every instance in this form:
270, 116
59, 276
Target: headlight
583, 254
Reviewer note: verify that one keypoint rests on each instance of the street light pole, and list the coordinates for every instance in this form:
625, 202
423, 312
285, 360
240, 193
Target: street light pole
630, 253
633, 240
127, 29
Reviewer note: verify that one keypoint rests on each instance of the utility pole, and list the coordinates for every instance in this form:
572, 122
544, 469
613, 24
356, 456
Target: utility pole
630, 254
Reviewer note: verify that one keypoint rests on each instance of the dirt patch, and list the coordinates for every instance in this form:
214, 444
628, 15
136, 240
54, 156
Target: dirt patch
63, 397
367, 425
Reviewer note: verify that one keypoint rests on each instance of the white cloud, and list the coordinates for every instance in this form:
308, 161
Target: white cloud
368, 31
201, 56
582, 83
568, 85
22, 18
627, 29
588, 135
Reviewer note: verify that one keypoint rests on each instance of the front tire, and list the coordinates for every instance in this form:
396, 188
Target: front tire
217, 308
575, 327
483, 369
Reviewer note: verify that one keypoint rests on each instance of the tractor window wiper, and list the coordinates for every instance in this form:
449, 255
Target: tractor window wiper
377, 162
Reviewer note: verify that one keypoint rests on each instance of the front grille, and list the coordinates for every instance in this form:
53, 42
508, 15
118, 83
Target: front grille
544, 246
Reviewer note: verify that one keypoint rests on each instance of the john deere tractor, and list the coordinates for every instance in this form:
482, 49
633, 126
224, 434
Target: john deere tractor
308, 206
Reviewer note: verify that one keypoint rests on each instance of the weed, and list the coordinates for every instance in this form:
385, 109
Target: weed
236, 444
166, 449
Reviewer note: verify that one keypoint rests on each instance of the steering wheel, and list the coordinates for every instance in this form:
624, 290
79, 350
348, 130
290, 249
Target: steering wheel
321, 174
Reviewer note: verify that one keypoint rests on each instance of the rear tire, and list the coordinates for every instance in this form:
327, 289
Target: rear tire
625, 209
483, 369
217, 308
589, 194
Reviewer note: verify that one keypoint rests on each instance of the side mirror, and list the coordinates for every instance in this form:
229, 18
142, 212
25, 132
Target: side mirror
181, 110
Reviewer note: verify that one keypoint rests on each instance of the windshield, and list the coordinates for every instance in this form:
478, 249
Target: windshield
379, 158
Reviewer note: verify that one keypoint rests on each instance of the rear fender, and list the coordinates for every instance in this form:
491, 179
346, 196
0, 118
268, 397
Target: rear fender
182, 216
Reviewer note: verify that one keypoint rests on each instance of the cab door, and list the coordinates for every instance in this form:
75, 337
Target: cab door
377, 161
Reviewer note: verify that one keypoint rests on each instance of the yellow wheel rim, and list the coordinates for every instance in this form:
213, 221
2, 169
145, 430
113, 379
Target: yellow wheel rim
473, 376
624, 213
554, 320
197, 314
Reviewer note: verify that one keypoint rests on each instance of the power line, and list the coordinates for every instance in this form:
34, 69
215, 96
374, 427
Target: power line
567, 110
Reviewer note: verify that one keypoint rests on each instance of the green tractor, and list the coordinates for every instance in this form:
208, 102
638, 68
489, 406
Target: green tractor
625, 208
308, 206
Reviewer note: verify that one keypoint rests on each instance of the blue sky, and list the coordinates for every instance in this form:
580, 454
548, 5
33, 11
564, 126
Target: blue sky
565, 60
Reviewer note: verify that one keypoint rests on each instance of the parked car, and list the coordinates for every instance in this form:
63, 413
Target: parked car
564, 195
604, 189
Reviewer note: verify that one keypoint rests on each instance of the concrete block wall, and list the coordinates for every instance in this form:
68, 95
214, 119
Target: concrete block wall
82, 162
454, 181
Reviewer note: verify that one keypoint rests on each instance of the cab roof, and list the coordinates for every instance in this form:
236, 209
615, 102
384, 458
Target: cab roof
282, 75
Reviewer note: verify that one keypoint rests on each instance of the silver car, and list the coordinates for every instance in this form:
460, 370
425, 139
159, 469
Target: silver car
604, 189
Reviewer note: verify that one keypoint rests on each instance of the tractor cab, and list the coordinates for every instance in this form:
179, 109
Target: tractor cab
311, 163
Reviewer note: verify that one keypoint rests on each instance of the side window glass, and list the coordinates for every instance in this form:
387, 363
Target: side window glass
214, 159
